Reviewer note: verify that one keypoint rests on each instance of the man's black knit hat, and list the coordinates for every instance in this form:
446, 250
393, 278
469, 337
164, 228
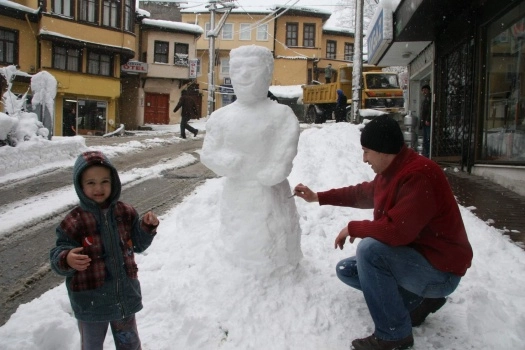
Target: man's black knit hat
383, 134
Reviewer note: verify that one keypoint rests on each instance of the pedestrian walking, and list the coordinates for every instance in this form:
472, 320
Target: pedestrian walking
189, 111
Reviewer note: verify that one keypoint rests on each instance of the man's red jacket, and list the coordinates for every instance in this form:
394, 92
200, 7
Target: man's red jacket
413, 206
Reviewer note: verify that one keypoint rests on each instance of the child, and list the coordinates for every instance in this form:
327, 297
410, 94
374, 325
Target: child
95, 250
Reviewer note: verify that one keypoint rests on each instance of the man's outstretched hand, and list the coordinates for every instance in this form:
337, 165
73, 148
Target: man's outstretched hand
305, 193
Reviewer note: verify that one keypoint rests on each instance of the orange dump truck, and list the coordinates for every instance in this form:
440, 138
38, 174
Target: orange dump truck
380, 91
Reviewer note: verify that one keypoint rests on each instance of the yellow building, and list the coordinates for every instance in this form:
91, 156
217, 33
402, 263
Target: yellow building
82, 44
301, 42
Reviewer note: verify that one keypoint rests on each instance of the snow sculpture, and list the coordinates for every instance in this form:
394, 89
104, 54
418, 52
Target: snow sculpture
252, 143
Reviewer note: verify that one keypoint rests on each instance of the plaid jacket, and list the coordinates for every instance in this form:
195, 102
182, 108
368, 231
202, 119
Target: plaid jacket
109, 288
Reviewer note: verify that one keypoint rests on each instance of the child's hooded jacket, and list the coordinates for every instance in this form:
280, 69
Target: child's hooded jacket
108, 289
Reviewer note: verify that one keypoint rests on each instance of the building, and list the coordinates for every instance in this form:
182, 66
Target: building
472, 55
163, 66
300, 39
82, 44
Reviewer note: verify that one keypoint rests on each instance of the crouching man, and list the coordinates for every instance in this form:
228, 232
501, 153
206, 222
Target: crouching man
414, 251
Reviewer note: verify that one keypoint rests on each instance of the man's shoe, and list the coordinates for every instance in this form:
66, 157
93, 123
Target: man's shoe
195, 133
427, 306
373, 343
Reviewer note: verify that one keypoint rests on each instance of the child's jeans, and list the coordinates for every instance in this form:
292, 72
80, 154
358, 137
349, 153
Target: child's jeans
125, 334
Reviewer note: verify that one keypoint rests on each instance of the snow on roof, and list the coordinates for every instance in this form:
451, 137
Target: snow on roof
19, 7
44, 32
142, 13
185, 27
256, 9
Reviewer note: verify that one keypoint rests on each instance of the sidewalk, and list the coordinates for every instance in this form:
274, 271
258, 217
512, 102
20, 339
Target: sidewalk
503, 207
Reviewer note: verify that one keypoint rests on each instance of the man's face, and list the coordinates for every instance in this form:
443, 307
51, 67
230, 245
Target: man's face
378, 161
425, 91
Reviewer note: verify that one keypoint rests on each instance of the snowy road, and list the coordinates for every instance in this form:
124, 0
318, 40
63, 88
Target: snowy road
153, 177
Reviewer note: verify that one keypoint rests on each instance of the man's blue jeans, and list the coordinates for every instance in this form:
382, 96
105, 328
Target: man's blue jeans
394, 281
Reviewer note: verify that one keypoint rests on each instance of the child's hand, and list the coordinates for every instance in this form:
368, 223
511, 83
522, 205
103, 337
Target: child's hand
78, 261
150, 219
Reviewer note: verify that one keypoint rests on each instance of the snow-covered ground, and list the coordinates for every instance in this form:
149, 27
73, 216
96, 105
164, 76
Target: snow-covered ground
193, 299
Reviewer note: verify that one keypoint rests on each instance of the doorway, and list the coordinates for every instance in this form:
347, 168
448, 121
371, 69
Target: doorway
156, 110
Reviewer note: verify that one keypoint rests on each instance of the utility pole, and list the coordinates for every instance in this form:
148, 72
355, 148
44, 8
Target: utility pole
357, 71
212, 35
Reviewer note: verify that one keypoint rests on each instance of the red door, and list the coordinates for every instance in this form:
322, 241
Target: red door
156, 109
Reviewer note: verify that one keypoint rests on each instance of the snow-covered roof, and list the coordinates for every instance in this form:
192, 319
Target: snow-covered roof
142, 12
257, 9
19, 7
180, 26
60, 35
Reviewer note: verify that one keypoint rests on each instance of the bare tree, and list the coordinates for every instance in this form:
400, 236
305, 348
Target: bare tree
345, 13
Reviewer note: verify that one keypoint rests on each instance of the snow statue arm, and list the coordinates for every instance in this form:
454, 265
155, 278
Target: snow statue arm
217, 154
279, 157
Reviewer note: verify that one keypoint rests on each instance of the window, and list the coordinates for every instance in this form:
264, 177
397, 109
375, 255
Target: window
309, 35
262, 32
245, 32
331, 49
227, 31
99, 64
66, 58
8, 46
349, 52
63, 7
111, 13
207, 28
181, 54
88, 11
291, 34
225, 66
129, 15
161, 52
504, 123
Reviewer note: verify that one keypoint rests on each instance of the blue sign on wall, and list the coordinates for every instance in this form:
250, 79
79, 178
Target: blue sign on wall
375, 38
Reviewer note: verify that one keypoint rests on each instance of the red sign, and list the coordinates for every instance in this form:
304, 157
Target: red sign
134, 67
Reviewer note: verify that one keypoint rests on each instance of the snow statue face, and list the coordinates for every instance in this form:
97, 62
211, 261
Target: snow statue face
251, 69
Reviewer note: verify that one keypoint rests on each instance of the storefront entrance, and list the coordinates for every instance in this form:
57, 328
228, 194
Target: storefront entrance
84, 117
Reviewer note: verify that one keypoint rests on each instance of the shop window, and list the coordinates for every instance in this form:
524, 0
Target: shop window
504, 124
161, 52
63, 7
331, 49
8, 46
92, 116
111, 13
292, 30
309, 35
99, 64
66, 58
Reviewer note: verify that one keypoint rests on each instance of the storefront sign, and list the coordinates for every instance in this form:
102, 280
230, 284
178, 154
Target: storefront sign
134, 67
193, 68
380, 36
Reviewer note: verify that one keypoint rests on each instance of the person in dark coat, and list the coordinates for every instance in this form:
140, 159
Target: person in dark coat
426, 119
189, 111
340, 108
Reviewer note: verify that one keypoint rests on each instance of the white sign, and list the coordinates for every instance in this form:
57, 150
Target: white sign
193, 68
134, 67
